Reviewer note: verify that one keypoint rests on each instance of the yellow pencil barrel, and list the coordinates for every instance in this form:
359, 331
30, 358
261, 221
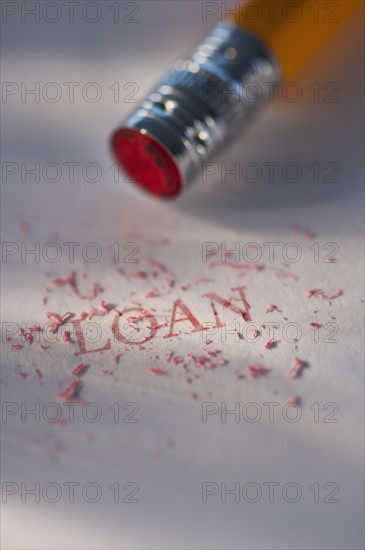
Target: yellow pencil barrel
294, 30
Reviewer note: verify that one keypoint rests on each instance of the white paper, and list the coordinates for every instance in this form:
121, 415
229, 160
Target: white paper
170, 452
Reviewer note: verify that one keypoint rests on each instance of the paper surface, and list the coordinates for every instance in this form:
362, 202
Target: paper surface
168, 455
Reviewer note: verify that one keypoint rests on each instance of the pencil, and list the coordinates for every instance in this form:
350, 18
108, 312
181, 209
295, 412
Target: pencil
207, 97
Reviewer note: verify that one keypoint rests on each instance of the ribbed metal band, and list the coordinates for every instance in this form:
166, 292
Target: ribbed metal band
205, 98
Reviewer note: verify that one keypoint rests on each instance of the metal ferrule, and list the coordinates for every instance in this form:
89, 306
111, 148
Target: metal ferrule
205, 98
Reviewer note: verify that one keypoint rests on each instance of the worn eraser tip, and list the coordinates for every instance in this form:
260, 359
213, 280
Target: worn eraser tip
148, 164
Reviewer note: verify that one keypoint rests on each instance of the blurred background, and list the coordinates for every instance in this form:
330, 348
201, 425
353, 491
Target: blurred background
71, 71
